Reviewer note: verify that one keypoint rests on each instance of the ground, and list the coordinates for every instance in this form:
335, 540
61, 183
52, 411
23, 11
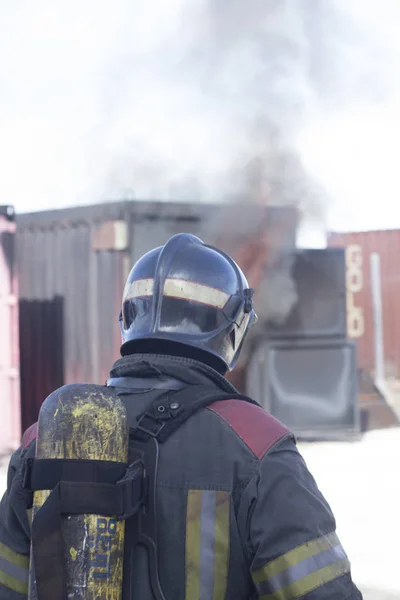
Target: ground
361, 481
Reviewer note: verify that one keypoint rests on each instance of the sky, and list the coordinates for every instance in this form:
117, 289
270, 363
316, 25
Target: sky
167, 100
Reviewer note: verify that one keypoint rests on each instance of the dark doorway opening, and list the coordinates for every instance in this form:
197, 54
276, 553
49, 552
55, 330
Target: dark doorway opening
41, 335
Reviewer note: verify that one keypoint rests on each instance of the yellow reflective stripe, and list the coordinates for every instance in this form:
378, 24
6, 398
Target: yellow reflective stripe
139, 289
222, 545
295, 556
178, 288
193, 514
14, 570
21, 560
198, 292
310, 582
13, 584
207, 544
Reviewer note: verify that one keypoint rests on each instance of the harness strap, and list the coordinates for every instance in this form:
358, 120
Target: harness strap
78, 487
166, 414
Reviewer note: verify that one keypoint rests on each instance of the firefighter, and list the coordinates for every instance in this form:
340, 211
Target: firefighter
237, 513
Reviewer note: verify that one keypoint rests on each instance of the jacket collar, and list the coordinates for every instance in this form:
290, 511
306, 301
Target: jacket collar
163, 367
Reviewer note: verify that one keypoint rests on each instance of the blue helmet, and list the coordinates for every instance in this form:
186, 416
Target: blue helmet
188, 293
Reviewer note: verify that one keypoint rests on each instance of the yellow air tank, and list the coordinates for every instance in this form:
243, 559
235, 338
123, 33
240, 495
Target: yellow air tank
85, 422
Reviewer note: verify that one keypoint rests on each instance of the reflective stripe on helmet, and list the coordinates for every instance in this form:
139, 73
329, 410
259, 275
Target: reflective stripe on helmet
189, 290
207, 544
302, 569
14, 570
180, 289
139, 289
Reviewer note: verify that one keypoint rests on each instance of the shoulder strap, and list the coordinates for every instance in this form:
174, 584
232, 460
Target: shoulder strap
168, 412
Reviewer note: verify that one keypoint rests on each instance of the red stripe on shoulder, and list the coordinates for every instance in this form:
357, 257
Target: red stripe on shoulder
29, 435
258, 429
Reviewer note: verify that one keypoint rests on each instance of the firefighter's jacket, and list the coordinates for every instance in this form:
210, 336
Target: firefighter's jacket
239, 515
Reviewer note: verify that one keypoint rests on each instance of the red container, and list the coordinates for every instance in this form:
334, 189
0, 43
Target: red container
359, 247
10, 428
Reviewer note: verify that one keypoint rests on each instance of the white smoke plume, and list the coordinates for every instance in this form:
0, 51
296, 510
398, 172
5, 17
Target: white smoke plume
175, 100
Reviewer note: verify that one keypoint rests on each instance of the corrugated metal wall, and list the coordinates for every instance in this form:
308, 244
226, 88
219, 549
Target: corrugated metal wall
10, 430
359, 247
83, 256
60, 261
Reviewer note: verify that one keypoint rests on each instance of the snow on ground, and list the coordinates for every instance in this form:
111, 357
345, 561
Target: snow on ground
361, 481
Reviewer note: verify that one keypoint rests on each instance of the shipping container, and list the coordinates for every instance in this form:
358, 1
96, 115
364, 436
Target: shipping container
10, 430
72, 267
360, 322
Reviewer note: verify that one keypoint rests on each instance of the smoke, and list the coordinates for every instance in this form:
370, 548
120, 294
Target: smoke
202, 100
290, 102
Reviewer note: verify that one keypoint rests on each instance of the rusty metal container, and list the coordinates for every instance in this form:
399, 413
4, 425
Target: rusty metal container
359, 248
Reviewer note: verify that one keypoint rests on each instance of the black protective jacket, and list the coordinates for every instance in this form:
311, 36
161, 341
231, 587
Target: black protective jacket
239, 515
